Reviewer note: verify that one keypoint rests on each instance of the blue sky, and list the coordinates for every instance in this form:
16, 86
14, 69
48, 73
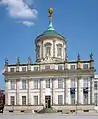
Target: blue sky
77, 20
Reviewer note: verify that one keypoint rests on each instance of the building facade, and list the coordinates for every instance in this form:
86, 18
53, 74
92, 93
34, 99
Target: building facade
96, 91
52, 81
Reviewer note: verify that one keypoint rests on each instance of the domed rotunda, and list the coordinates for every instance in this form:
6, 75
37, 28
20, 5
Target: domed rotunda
50, 45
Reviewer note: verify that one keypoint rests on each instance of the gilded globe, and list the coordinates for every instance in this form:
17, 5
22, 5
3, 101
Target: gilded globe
50, 10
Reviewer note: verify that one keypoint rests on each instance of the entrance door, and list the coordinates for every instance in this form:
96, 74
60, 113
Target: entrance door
48, 101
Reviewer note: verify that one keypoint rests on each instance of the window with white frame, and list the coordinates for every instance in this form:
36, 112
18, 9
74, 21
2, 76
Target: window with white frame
12, 69
38, 51
85, 96
47, 67
59, 50
24, 69
24, 84
35, 100
72, 91
12, 84
48, 49
72, 67
60, 83
60, 67
60, 99
47, 83
85, 91
35, 84
23, 100
96, 85
12, 100
72, 98
96, 98
85, 66
36, 68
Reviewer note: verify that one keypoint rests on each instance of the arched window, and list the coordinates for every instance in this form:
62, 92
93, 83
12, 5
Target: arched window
38, 51
48, 49
59, 50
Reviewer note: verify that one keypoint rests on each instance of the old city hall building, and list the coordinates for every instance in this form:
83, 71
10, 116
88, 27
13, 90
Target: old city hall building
52, 81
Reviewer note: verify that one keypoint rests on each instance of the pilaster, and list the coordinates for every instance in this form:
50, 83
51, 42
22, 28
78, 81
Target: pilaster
42, 49
68, 85
64, 91
76, 90
29, 101
89, 90
78, 86
40, 93
81, 91
17, 91
53, 48
6, 92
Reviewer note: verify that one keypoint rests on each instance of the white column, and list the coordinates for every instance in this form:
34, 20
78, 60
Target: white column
76, 88
92, 87
81, 91
29, 96
68, 85
42, 92
52, 98
6, 92
55, 86
89, 90
65, 91
17, 91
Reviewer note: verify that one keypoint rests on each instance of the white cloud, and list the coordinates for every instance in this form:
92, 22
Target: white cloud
28, 23
21, 10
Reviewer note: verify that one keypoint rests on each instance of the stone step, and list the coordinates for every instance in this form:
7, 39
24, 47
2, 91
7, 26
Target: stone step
47, 110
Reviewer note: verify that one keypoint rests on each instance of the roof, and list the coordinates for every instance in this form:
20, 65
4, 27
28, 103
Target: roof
51, 32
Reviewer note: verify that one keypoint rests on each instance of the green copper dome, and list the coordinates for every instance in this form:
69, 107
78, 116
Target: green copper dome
50, 32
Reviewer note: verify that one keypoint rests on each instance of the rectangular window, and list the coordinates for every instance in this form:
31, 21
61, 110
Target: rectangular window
72, 93
59, 53
48, 51
35, 84
24, 69
12, 69
12, 100
60, 83
47, 67
35, 100
72, 67
85, 66
85, 96
60, 99
24, 84
96, 98
85, 91
72, 98
35, 68
12, 84
96, 85
23, 100
60, 67
47, 83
